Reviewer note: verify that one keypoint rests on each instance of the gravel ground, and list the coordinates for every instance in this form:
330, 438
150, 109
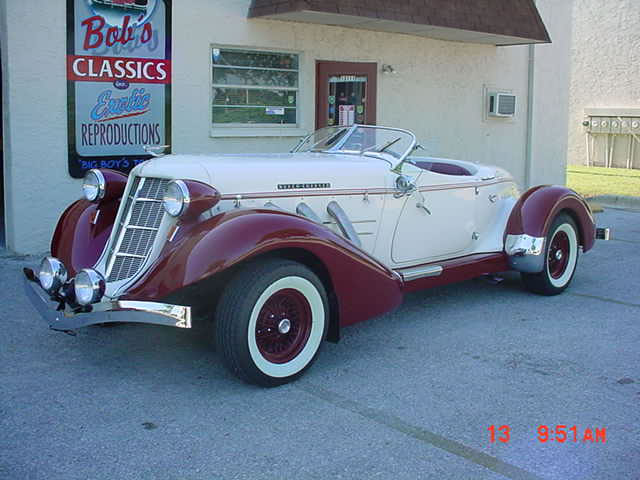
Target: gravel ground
407, 395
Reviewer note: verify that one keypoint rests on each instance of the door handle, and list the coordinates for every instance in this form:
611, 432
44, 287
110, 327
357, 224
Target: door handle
424, 207
421, 203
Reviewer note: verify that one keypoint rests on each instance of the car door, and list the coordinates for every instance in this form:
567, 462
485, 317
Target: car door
436, 221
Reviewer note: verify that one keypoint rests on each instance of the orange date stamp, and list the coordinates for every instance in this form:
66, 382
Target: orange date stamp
553, 434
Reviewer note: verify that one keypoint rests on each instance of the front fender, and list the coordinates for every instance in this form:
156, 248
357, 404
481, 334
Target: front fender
363, 286
77, 240
534, 213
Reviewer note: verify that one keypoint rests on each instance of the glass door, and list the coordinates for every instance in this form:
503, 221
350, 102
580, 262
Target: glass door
346, 94
347, 102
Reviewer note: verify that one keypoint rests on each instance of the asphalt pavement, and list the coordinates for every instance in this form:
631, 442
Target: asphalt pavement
410, 395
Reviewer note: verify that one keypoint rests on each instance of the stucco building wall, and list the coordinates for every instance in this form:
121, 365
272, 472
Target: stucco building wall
551, 72
438, 92
605, 64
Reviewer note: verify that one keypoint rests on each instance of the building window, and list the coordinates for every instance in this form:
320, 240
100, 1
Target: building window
254, 88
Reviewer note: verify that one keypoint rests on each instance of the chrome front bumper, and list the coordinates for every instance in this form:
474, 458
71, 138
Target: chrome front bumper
64, 318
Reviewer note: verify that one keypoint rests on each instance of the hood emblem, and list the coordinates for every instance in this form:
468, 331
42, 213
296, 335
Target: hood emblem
302, 186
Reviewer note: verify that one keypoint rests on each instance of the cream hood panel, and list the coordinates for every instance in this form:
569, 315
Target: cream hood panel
240, 174
175, 167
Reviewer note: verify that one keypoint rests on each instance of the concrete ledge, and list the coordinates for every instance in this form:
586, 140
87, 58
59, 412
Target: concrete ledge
617, 201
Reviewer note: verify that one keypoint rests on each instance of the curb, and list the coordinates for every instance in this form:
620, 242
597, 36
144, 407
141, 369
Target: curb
617, 201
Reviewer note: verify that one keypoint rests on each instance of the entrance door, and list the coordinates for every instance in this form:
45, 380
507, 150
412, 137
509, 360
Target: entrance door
346, 93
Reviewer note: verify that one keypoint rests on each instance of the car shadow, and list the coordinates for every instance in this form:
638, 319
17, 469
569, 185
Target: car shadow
177, 358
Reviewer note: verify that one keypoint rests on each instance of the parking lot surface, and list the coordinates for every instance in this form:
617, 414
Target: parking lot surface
405, 396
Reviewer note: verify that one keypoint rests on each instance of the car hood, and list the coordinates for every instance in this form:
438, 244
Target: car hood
250, 173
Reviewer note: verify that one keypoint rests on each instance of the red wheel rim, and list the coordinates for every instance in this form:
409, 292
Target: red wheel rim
283, 326
558, 257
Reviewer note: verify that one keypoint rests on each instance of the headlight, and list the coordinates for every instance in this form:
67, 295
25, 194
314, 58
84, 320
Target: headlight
94, 185
176, 198
52, 274
89, 286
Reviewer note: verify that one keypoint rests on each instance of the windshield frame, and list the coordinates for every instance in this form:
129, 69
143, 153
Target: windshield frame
394, 160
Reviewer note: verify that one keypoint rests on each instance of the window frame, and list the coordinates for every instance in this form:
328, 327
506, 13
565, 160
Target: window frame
257, 129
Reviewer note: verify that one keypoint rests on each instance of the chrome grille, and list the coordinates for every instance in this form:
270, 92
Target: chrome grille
139, 223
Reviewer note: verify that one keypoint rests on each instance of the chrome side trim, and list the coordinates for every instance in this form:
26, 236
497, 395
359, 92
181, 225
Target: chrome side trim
336, 212
305, 210
415, 273
105, 312
357, 191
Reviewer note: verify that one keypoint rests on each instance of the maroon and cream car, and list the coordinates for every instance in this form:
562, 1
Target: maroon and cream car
281, 251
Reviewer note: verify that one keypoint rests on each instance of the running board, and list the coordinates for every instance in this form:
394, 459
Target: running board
346, 227
416, 273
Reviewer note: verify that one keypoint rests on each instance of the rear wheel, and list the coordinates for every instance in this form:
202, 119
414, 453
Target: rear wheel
271, 321
561, 259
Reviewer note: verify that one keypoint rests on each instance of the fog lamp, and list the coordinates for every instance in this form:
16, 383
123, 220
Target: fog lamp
89, 286
52, 274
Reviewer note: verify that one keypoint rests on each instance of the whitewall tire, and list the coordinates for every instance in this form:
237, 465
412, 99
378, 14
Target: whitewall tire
560, 261
271, 321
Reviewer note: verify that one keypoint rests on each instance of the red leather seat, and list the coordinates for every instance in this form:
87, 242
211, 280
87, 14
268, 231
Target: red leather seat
443, 168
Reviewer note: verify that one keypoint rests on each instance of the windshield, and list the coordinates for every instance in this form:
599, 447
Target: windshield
388, 143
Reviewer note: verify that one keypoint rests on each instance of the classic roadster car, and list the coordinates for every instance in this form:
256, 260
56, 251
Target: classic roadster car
281, 251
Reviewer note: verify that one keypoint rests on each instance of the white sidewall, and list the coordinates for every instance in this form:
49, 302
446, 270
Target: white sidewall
573, 256
312, 295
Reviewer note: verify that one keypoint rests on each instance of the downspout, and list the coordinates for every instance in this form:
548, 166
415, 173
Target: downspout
528, 160
528, 156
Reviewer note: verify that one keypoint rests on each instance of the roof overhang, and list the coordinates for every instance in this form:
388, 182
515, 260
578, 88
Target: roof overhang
493, 22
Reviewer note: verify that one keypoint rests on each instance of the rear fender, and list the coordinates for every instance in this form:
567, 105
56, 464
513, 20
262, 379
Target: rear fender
363, 287
531, 219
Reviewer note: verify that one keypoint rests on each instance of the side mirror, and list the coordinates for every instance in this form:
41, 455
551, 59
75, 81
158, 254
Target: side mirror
404, 186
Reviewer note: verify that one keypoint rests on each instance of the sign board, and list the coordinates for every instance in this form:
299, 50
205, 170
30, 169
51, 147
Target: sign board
347, 115
118, 82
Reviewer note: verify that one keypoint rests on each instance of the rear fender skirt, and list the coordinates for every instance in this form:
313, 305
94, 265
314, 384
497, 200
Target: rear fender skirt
533, 214
77, 240
364, 288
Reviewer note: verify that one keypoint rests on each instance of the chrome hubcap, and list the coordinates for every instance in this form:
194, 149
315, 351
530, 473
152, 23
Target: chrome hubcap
559, 255
284, 326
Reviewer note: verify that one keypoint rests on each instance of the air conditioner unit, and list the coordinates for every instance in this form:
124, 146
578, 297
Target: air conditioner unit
502, 105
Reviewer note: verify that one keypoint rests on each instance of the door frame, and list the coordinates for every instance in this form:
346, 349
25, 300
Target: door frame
324, 68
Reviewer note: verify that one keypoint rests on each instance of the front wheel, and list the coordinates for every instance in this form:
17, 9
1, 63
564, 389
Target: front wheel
561, 259
271, 321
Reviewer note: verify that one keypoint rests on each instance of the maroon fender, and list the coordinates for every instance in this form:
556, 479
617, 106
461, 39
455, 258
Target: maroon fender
363, 287
77, 242
116, 182
536, 209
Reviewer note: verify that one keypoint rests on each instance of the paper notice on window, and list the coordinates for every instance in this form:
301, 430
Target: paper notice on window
347, 115
275, 110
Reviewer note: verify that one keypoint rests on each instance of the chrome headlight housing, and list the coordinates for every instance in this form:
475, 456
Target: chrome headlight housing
89, 286
52, 274
94, 185
176, 198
